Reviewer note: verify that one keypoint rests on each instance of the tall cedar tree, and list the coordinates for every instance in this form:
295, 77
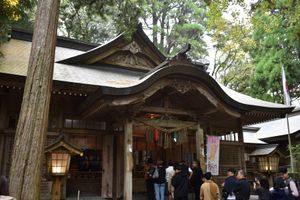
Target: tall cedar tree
28, 151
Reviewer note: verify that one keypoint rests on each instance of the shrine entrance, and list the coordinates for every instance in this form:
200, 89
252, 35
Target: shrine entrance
172, 144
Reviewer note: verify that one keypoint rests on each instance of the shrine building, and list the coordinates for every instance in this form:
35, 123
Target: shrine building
123, 102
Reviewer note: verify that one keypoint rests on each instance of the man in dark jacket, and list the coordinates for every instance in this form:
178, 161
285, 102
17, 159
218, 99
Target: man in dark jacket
160, 181
196, 178
149, 170
185, 168
242, 188
229, 183
180, 183
278, 192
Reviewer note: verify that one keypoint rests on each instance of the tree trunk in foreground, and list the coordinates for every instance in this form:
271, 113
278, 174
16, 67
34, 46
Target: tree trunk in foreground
28, 151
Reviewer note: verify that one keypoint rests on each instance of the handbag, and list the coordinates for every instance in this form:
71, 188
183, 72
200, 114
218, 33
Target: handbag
156, 173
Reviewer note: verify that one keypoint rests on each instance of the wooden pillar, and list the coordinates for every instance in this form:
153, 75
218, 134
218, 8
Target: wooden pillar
242, 147
2, 152
200, 147
120, 166
3, 112
61, 113
3, 115
128, 160
107, 164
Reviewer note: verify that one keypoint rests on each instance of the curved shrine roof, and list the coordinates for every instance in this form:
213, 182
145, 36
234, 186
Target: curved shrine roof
93, 68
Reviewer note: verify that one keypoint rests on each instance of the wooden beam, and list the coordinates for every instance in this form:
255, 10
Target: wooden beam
164, 110
200, 147
214, 101
128, 160
94, 103
210, 111
171, 123
141, 97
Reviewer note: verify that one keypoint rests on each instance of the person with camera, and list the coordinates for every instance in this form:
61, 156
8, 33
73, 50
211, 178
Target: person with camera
261, 187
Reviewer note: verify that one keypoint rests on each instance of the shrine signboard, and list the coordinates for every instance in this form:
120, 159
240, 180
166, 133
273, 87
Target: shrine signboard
213, 150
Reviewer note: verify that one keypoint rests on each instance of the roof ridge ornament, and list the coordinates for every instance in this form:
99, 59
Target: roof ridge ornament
182, 58
181, 55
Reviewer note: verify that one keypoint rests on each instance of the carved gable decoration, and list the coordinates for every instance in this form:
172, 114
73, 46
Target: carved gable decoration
131, 56
133, 47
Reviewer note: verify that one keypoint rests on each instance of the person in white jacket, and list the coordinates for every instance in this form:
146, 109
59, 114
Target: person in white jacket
170, 172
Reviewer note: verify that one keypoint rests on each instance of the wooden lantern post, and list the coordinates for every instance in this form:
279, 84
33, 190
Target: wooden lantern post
58, 160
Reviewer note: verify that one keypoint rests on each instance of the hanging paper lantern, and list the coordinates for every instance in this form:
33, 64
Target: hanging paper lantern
174, 136
156, 135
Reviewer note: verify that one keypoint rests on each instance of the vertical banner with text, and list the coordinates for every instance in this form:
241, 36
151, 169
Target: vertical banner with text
213, 150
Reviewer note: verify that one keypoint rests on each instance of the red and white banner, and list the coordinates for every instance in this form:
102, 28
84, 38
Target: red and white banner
213, 151
287, 99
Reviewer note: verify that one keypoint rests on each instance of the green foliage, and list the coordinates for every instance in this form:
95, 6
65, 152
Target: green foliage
88, 20
249, 53
82, 20
296, 154
276, 33
175, 23
232, 40
8, 12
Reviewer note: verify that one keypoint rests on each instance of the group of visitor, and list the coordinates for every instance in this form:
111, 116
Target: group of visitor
284, 187
174, 182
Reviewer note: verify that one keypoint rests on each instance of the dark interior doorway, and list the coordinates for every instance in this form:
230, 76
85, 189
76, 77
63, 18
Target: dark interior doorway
85, 174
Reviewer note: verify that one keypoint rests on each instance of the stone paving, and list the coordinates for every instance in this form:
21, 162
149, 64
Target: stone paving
142, 197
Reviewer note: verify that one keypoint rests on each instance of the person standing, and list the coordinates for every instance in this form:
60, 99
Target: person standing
196, 178
170, 172
242, 188
3, 186
180, 182
278, 192
149, 170
229, 184
209, 189
159, 181
261, 187
290, 183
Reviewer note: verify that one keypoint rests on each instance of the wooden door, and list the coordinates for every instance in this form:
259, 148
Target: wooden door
107, 166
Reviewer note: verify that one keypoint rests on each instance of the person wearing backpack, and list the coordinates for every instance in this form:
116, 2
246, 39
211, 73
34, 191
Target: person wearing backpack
180, 182
293, 192
278, 191
159, 179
